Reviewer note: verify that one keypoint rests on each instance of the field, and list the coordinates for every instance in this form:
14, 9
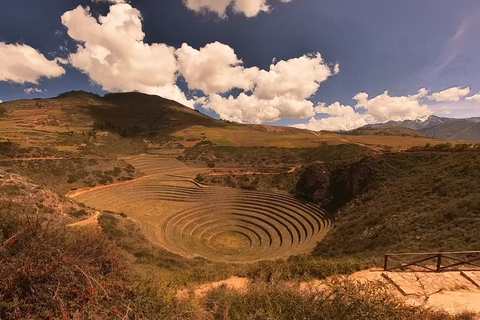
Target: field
216, 223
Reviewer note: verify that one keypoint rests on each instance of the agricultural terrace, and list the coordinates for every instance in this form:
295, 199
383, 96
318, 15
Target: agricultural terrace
215, 223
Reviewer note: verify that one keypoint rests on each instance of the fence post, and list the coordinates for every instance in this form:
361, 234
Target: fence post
439, 262
385, 265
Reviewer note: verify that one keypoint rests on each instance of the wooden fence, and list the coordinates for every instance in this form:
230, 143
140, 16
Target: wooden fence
433, 261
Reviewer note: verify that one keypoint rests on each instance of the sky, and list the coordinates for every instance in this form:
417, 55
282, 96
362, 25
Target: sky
315, 64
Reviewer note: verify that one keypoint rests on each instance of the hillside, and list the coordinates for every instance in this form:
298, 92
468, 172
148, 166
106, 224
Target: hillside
415, 202
386, 131
455, 130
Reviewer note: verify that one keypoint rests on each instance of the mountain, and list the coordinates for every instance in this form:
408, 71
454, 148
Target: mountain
439, 127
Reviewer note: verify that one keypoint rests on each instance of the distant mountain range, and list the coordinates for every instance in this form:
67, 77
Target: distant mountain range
439, 127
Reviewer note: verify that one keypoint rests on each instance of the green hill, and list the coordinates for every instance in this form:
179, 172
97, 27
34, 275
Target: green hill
386, 131
416, 202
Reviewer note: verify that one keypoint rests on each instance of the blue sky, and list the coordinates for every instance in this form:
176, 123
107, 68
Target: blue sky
285, 59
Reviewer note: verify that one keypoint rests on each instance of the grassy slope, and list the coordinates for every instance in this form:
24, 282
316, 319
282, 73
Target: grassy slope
420, 202
386, 131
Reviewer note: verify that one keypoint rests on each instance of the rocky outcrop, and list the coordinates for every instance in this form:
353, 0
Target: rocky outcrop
314, 183
334, 188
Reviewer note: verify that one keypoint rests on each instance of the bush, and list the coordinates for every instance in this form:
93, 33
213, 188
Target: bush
50, 271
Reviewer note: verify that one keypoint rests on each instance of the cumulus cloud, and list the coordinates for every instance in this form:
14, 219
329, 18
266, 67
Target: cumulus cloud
32, 90
248, 108
340, 117
214, 68
298, 77
21, 63
112, 52
475, 97
452, 94
344, 123
249, 8
381, 108
384, 107
269, 95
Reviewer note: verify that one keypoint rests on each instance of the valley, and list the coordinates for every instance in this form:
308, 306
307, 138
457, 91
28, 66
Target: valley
186, 199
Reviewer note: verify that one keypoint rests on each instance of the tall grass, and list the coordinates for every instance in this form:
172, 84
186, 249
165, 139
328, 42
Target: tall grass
341, 299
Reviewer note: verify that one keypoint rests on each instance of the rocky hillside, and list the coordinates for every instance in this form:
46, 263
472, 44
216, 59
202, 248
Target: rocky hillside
19, 192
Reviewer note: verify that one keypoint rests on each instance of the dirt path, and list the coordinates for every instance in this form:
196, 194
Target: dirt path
76, 193
235, 283
92, 221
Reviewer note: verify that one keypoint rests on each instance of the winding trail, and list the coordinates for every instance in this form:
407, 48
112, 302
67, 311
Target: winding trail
92, 221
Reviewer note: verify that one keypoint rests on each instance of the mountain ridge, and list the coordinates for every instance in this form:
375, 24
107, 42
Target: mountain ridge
467, 129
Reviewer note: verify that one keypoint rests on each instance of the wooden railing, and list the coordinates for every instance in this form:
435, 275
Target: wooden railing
433, 262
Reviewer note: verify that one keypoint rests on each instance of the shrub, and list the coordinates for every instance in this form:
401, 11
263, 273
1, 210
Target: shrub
49, 271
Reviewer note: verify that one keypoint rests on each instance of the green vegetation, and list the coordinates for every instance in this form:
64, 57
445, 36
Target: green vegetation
68, 170
386, 131
255, 157
418, 202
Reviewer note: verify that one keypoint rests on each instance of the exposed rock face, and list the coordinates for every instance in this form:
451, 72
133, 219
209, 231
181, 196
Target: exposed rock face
350, 182
333, 189
314, 184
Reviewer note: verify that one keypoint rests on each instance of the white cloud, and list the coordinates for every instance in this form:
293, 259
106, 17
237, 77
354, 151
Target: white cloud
382, 108
341, 117
452, 94
335, 109
21, 63
280, 92
112, 52
254, 110
249, 8
299, 77
214, 68
344, 123
475, 97
32, 90
268, 95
